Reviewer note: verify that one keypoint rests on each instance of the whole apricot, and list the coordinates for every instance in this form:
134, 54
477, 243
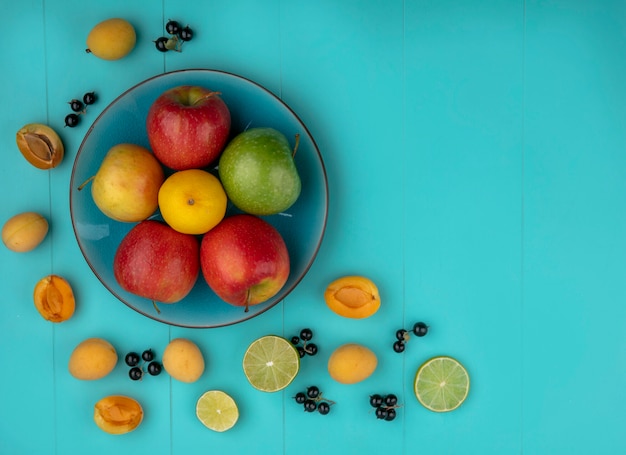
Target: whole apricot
92, 359
354, 297
351, 363
117, 414
24, 232
54, 298
183, 360
111, 39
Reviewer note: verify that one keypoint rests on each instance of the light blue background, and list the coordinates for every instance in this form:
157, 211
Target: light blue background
476, 157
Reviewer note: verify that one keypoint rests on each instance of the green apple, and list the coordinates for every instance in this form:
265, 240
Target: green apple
258, 172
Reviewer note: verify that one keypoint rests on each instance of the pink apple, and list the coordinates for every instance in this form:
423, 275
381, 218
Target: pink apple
244, 260
188, 127
156, 262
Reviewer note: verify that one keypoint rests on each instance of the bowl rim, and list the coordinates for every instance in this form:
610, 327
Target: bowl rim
308, 263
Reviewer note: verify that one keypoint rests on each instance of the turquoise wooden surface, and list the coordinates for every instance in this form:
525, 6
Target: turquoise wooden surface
476, 159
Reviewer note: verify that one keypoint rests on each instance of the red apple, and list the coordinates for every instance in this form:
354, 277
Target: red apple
156, 262
188, 127
244, 260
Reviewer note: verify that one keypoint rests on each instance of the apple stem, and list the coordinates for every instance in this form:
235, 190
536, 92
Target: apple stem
206, 97
295, 147
156, 307
82, 185
247, 302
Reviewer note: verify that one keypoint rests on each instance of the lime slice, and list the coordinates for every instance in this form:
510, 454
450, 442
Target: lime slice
217, 410
441, 384
271, 363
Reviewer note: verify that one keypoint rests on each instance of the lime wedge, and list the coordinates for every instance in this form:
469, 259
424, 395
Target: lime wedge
271, 363
217, 410
441, 384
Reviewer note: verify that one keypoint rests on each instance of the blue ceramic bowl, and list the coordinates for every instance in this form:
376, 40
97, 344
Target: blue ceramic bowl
302, 226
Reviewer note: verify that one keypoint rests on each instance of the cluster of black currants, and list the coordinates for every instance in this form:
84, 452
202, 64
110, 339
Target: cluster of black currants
312, 400
79, 107
306, 348
178, 35
136, 371
385, 406
402, 335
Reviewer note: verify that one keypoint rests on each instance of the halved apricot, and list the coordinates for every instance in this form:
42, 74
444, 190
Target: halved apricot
41, 145
54, 298
117, 414
354, 297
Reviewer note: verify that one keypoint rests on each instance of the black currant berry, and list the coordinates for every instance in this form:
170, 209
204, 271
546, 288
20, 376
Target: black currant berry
391, 400
311, 348
154, 368
172, 27
399, 346
132, 359
391, 414
400, 335
147, 355
381, 412
89, 98
300, 398
420, 329
135, 373
313, 391
161, 44
76, 105
323, 408
185, 34
72, 120
306, 334
310, 405
376, 400
295, 340
301, 351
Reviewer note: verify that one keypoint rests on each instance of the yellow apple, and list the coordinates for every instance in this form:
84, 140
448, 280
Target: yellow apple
192, 201
126, 186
